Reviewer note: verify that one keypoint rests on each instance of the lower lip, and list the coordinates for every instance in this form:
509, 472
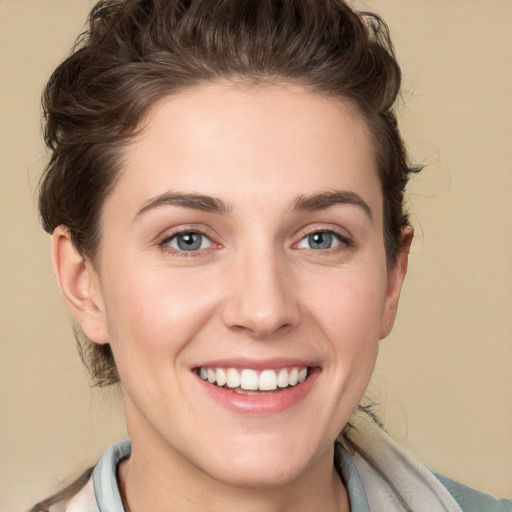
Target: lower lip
260, 404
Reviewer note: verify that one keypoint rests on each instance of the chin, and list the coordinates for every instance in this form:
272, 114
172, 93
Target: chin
255, 474
263, 463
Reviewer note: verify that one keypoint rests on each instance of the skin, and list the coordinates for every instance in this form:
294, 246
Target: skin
256, 289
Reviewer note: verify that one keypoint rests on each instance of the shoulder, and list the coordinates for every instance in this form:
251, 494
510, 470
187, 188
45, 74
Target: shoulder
470, 500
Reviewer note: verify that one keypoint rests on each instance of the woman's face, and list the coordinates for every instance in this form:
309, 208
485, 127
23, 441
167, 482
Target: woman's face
243, 242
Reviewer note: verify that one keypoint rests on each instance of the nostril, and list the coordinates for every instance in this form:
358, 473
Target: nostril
260, 331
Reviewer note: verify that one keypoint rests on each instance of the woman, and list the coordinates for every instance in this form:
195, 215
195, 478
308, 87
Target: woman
225, 197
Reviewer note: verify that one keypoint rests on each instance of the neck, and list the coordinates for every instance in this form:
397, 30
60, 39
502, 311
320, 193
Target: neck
159, 484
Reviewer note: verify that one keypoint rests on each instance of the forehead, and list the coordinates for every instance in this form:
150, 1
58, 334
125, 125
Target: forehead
248, 143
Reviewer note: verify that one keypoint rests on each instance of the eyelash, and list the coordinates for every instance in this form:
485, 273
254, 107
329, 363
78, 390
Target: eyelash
163, 244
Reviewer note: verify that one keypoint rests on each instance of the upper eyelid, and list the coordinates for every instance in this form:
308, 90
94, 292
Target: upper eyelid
187, 231
344, 234
330, 231
168, 234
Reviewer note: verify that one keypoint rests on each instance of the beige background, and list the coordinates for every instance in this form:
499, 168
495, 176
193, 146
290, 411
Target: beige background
444, 376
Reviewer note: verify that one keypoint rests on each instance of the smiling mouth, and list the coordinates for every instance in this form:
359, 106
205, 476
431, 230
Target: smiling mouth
251, 382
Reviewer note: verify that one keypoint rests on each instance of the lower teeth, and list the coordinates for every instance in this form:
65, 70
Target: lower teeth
241, 391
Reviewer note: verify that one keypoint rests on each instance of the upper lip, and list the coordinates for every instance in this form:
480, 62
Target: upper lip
257, 364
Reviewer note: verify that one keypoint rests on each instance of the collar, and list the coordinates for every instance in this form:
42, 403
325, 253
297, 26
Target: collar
104, 477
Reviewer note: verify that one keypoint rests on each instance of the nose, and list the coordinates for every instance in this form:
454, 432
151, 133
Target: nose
261, 298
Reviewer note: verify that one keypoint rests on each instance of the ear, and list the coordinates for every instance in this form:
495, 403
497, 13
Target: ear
80, 286
396, 276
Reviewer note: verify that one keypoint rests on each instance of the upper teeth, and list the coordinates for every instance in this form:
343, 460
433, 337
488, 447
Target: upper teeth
266, 380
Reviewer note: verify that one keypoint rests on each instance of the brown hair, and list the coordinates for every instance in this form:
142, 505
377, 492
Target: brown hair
138, 51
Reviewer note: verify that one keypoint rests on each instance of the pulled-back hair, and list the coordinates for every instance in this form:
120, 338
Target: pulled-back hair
135, 52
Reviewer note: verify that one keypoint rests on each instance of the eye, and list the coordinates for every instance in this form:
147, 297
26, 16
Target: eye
320, 240
188, 241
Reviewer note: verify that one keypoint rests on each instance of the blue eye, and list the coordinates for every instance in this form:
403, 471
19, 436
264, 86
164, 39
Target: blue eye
189, 241
320, 240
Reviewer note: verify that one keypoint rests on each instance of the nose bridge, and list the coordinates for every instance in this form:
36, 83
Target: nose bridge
261, 299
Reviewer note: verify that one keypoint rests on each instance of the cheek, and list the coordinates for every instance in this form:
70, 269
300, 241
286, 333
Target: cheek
348, 312
155, 311
350, 303
349, 315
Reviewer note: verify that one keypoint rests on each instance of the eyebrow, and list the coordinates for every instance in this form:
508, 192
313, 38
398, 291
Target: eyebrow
324, 200
205, 203
185, 200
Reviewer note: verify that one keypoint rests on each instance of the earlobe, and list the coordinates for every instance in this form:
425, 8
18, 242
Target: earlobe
79, 284
396, 276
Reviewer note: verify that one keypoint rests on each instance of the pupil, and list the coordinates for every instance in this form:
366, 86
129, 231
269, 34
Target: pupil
320, 240
189, 241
